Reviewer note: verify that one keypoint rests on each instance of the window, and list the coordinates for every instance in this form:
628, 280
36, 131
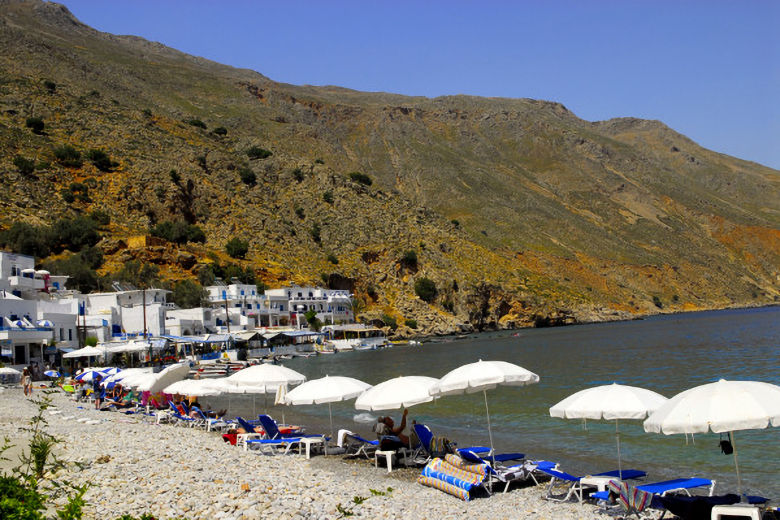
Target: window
70, 334
62, 334
281, 307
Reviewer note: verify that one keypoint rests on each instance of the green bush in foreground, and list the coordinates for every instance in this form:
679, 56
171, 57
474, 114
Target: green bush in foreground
258, 153
35, 124
26, 492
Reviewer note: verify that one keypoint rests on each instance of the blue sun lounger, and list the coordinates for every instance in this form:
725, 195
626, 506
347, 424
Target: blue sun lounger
506, 474
667, 486
357, 445
574, 484
253, 438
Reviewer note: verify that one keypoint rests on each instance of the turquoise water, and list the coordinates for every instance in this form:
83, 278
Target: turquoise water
667, 354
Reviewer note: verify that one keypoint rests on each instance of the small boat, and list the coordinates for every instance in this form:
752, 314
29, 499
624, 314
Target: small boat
366, 347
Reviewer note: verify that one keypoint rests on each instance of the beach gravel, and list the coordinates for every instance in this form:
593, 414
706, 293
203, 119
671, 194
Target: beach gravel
133, 467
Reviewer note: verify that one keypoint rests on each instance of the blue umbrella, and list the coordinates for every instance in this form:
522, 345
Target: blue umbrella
111, 371
88, 375
52, 373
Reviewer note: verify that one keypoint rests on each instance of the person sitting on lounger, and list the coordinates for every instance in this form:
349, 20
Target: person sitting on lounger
391, 437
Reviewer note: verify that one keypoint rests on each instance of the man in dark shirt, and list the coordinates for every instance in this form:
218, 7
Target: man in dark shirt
96, 390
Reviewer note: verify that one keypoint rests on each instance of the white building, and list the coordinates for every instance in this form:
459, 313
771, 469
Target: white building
122, 315
246, 307
190, 322
333, 306
33, 323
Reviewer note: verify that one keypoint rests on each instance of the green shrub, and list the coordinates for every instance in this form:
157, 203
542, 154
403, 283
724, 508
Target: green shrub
175, 177
101, 160
256, 152
100, 217
412, 324
409, 259
25, 166
138, 274
68, 196
197, 122
300, 213
455, 222
27, 239
332, 259
74, 234
35, 124
248, 177
389, 321
315, 233
237, 248
657, 302
81, 275
298, 174
220, 130
50, 85
91, 341
68, 156
319, 161
188, 294
425, 288
361, 178
328, 197
178, 232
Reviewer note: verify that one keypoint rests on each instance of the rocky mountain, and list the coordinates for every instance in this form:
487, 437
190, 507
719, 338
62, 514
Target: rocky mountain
519, 212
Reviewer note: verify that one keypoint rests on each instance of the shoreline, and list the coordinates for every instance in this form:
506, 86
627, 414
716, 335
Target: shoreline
179, 472
429, 338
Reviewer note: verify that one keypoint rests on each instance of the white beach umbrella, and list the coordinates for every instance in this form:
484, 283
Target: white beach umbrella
609, 402
481, 377
8, 371
110, 371
85, 352
326, 390
168, 376
723, 406
268, 376
279, 398
399, 392
195, 387
51, 373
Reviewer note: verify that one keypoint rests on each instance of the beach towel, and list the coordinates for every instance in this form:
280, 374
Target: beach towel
454, 476
631, 498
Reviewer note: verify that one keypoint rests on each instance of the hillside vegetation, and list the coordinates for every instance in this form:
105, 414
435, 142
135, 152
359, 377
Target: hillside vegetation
514, 211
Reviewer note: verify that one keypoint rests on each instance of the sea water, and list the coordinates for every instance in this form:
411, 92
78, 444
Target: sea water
667, 354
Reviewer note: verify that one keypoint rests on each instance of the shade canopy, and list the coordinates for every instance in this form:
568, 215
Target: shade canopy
609, 402
157, 382
268, 376
396, 393
724, 406
84, 352
483, 375
194, 387
326, 390
8, 371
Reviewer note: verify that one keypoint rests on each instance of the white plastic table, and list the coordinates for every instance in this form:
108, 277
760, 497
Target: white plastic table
308, 441
736, 510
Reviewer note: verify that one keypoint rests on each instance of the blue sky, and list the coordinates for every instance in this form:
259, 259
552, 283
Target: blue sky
710, 69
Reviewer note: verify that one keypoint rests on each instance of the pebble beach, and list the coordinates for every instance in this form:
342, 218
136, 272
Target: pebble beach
134, 467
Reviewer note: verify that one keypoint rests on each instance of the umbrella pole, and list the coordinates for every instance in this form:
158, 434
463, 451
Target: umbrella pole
617, 437
490, 431
736, 465
254, 409
330, 414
